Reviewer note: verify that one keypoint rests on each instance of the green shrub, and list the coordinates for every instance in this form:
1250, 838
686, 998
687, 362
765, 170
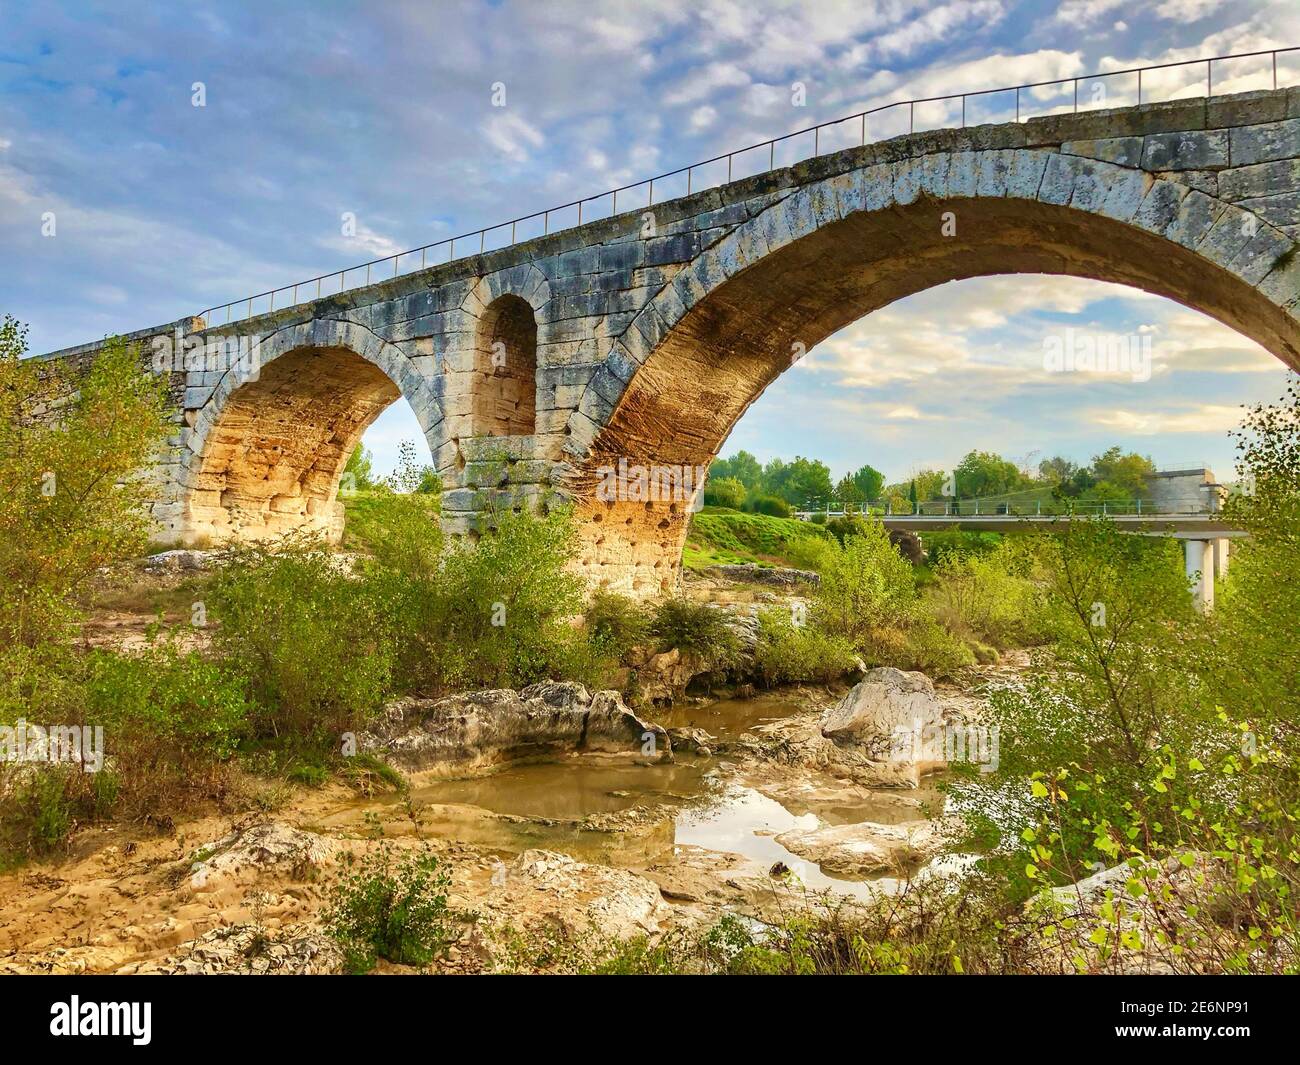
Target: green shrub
307, 638
496, 613
788, 654
172, 722
724, 492
391, 907
615, 624
774, 506
697, 628
865, 585
69, 501
991, 595
943, 542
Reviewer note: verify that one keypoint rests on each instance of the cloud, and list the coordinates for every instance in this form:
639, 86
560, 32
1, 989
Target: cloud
1206, 418
512, 135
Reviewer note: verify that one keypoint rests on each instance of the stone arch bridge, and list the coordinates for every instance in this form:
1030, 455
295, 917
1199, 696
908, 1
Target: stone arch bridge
607, 363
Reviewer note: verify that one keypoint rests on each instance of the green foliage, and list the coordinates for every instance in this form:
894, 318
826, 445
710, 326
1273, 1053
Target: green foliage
615, 624
69, 500
411, 475
865, 585
727, 537
772, 505
696, 628
870, 482
787, 653
982, 473
169, 723
797, 482
305, 636
175, 719
944, 542
1116, 699
742, 466
359, 472
724, 492
496, 613
391, 907
994, 595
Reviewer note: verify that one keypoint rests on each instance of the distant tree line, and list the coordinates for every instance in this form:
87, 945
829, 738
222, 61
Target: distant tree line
741, 482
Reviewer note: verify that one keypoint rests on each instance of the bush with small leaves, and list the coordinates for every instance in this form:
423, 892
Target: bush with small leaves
391, 906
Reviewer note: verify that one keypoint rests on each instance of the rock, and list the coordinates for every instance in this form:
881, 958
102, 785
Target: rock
691, 739
885, 700
752, 573
178, 559
542, 885
484, 729
246, 948
867, 848
243, 855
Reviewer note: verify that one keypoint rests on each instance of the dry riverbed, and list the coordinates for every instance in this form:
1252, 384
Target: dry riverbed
599, 842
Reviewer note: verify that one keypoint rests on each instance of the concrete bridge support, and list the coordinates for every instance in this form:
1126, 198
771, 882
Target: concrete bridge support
1199, 567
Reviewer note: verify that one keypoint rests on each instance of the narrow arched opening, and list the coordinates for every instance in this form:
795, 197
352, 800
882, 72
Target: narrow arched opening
505, 368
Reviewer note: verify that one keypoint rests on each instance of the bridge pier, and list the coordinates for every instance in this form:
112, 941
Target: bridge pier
1221, 551
1199, 557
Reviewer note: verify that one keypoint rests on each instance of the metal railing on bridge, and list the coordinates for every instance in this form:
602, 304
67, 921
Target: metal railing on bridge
854, 130
991, 508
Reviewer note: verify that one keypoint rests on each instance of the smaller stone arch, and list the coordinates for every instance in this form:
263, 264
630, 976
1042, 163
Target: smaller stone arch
267, 449
505, 370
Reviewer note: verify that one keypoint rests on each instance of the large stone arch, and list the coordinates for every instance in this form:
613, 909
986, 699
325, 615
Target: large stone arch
711, 340
268, 448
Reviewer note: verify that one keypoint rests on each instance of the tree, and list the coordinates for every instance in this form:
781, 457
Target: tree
71, 501
983, 473
1057, 470
359, 473
410, 475
742, 466
870, 482
1127, 471
798, 482
724, 492
847, 490
929, 484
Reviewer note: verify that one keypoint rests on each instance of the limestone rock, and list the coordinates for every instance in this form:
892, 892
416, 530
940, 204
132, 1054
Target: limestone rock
243, 855
244, 948
177, 560
885, 699
867, 848
483, 729
545, 885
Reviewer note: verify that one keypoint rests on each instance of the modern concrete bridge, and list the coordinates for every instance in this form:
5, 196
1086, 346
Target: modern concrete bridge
606, 364
1206, 538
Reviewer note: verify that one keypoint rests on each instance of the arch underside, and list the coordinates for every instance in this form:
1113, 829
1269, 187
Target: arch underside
274, 457
684, 400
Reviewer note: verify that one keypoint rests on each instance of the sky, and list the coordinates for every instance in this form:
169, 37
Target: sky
312, 112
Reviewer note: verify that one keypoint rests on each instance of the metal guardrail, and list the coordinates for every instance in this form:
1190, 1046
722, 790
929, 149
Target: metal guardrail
985, 508
481, 235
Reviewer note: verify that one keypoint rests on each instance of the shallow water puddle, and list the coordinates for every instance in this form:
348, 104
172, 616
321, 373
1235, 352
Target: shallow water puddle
694, 801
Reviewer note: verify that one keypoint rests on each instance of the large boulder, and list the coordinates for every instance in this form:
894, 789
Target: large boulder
886, 732
867, 848
891, 715
484, 729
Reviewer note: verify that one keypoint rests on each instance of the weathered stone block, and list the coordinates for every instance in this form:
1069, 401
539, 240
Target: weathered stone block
1262, 179
1265, 143
1123, 151
1189, 150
